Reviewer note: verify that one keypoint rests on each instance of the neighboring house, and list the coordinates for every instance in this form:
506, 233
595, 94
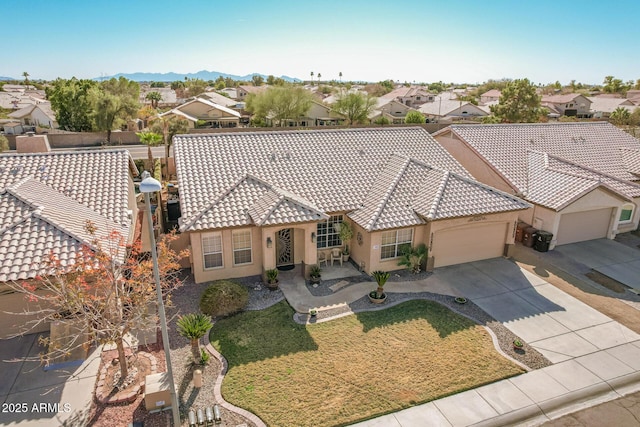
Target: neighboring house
450, 109
317, 115
393, 110
490, 96
169, 96
45, 201
231, 91
200, 112
36, 115
602, 107
412, 96
579, 176
243, 91
253, 201
216, 98
571, 104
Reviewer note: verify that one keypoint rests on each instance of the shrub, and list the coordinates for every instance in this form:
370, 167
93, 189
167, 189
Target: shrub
223, 298
413, 258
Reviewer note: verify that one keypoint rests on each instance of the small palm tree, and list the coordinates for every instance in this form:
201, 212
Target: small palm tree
319, 77
26, 78
155, 98
340, 75
150, 139
312, 78
194, 326
381, 278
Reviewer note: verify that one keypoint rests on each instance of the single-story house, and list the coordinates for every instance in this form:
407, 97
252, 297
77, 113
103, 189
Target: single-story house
36, 115
580, 177
449, 109
318, 114
212, 114
45, 201
253, 201
602, 107
243, 91
391, 109
490, 96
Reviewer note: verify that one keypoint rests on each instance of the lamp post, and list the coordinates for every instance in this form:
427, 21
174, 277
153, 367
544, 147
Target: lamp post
151, 185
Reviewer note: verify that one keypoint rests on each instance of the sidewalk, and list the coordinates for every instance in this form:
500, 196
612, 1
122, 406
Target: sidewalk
604, 366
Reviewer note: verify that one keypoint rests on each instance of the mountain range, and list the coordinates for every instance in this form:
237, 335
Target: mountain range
172, 77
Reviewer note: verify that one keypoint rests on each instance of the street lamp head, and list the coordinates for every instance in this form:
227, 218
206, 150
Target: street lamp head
149, 184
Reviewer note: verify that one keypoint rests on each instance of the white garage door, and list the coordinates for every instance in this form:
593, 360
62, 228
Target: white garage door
581, 226
480, 241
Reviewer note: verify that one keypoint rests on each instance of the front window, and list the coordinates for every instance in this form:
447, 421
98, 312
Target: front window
242, 247
328, 232
626, 213
395, 242
212, 250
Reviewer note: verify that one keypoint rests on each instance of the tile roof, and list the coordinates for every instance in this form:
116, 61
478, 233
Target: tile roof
242, 178
46, 199
560, 99
593, 145
552, 164
608, 105
409, 192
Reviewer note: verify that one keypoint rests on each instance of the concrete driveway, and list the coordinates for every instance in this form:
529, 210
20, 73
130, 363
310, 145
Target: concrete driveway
553, 322
31, 396
613, 259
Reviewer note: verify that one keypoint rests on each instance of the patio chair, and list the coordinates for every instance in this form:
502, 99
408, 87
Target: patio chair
322, 257
336, 255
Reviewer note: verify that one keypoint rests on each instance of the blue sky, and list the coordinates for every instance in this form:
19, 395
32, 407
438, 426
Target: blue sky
423, 41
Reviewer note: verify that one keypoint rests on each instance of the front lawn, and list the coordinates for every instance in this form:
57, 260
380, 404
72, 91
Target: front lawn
355, 367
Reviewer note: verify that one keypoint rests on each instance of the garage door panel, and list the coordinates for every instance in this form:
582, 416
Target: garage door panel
582, 226
469, 244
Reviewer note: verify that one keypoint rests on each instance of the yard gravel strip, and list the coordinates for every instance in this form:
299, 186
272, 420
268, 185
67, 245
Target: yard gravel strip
186, 300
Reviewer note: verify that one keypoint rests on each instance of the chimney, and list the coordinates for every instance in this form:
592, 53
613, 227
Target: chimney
32, 143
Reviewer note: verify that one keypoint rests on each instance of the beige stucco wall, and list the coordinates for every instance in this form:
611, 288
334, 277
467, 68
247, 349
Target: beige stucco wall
263, 258
549, 220
228, 271
473, 163
14, 302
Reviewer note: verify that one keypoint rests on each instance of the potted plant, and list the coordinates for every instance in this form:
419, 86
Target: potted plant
313, 312
378, 296
272, 278
346, 233
314, 273
460, 300
518, 344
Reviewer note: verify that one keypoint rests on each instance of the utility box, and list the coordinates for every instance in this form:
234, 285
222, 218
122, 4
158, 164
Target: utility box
156, 391
528, 238
542, 241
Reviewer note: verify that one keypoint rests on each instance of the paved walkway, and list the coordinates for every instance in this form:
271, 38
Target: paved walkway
596, 359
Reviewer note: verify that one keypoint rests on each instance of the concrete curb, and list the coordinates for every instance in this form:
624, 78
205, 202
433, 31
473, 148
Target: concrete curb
217, 389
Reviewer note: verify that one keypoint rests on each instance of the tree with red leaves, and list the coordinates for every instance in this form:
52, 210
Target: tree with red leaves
109, 288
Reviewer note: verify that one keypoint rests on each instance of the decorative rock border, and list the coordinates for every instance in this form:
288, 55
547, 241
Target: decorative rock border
103, 392
218, 386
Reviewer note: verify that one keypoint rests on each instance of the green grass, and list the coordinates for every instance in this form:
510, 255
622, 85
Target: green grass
352, 368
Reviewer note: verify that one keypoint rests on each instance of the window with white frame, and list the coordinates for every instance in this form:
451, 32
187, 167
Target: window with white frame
241, 247
626, 213
395, 242
212, 250
328, 232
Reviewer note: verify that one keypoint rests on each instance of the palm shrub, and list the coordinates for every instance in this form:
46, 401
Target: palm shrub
413, 258
223, 298
381, 278
193, 326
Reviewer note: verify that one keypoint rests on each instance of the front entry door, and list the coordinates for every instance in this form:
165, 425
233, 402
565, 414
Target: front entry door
284, 247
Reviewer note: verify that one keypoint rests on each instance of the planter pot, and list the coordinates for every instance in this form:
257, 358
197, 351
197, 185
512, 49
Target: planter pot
273, 286
345, 258
461, 300
518, 348
373, 299
314, 280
